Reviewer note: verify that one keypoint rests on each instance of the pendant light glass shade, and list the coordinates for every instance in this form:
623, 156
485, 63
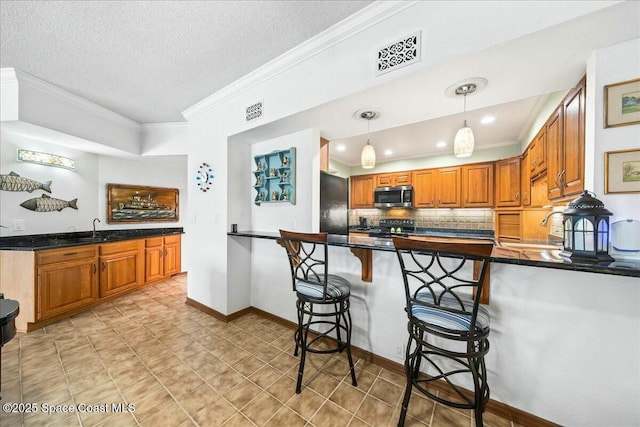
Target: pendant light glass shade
463, 143
368, 157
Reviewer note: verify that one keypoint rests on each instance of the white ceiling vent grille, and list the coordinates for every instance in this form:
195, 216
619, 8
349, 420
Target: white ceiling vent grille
396, 55
254, 111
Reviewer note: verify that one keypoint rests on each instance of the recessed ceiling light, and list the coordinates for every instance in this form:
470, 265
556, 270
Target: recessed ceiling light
340, 147
487, 119
441, 144
388, 152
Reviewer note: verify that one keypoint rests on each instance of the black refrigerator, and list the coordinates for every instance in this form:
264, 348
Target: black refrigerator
334, 204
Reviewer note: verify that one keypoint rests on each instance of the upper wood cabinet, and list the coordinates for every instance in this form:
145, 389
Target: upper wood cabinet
393, 179
565, 145
361, 193
437, 187
508, 182
525, 179
477, 185
538, 153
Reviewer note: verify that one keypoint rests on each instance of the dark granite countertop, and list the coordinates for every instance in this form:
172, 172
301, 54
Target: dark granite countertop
530, 253
35, 242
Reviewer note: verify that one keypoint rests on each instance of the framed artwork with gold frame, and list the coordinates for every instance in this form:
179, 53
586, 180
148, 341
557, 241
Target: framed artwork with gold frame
622, 103
135, 203
622, 171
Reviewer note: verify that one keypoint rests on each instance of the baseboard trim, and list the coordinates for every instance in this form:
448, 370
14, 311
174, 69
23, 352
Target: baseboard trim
500, 409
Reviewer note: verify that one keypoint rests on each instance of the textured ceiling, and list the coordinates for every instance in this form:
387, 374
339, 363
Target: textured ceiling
150, 60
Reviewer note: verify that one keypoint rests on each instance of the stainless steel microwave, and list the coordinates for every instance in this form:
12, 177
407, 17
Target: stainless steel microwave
393, 197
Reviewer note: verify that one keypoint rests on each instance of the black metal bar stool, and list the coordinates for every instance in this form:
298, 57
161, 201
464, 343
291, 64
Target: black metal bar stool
448, 328
314, 286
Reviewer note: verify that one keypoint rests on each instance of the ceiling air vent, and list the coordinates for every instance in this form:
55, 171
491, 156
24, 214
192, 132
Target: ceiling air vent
254, 111
399, 53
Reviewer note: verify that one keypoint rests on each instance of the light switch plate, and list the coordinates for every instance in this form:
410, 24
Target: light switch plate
18, 225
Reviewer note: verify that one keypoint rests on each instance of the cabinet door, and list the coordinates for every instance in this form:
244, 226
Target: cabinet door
424, 188
508, 182
555, 154
153, 259
362, 191
477, 185
402, 178
449, 187
525, 179
118, 272
572, 175
171, 255
66, 286
538, 159
384, 180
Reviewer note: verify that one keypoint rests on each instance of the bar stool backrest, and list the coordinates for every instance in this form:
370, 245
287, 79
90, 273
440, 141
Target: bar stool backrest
308, 257
444, 273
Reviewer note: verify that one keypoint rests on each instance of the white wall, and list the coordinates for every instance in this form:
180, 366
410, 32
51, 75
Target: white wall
81, 184
606, 66
87, 183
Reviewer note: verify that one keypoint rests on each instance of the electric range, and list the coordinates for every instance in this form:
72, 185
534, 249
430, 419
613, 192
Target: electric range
394, 227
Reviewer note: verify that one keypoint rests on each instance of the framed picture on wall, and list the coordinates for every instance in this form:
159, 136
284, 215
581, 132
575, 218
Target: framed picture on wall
622, 171
135, 203
622, 103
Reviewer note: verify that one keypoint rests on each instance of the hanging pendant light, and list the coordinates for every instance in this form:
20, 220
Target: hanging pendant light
464, 141
368, 156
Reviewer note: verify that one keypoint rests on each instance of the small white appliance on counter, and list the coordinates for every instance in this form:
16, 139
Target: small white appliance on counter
625, 239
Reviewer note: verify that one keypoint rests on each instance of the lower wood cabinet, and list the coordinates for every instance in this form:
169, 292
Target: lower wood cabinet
67, 280
121, 266
162, 257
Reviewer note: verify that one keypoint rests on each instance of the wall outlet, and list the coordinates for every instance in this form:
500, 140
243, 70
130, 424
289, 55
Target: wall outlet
18, 225
400, 350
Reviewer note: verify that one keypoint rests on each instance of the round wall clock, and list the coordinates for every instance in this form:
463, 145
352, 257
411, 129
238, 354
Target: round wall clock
204, 177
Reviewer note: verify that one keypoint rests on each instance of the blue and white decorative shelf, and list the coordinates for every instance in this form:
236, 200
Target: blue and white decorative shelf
275, 177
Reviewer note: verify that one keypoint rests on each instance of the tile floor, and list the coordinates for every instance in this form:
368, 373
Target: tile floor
176, 366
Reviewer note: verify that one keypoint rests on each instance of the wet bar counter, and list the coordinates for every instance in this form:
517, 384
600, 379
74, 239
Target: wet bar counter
529, 253
35, 242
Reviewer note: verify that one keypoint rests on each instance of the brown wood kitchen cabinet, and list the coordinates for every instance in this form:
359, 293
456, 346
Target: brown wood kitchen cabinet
477, 185
565, 145
393, 179
67, 280
434, 188
162, 257
525, 179
508, 182
121, 266
361, 191
538, 153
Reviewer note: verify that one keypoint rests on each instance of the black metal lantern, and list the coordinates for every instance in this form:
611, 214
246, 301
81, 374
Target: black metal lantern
586, 230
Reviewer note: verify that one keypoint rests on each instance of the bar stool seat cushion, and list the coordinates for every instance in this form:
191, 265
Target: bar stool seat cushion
448, 314
337, 287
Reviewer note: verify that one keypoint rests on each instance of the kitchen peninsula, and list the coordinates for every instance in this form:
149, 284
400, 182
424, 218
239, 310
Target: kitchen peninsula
540, 304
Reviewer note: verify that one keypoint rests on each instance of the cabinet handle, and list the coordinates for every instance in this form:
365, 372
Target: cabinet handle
563, 181
517, 195
556, 180
94, 269
104, 266
71, 253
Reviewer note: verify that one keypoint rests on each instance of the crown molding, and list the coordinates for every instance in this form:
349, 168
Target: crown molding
8, 76
55, 91
162, 125
361, 20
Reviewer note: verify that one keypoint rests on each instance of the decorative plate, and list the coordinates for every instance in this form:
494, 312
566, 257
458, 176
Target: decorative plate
204, 177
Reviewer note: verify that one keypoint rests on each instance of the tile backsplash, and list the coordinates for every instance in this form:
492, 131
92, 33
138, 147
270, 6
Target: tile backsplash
469, 219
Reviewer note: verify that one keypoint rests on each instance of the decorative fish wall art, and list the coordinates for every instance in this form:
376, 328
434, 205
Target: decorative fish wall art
48, 204
15, 182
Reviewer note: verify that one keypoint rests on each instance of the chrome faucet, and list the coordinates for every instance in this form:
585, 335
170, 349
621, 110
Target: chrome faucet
94, 227
546, 218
